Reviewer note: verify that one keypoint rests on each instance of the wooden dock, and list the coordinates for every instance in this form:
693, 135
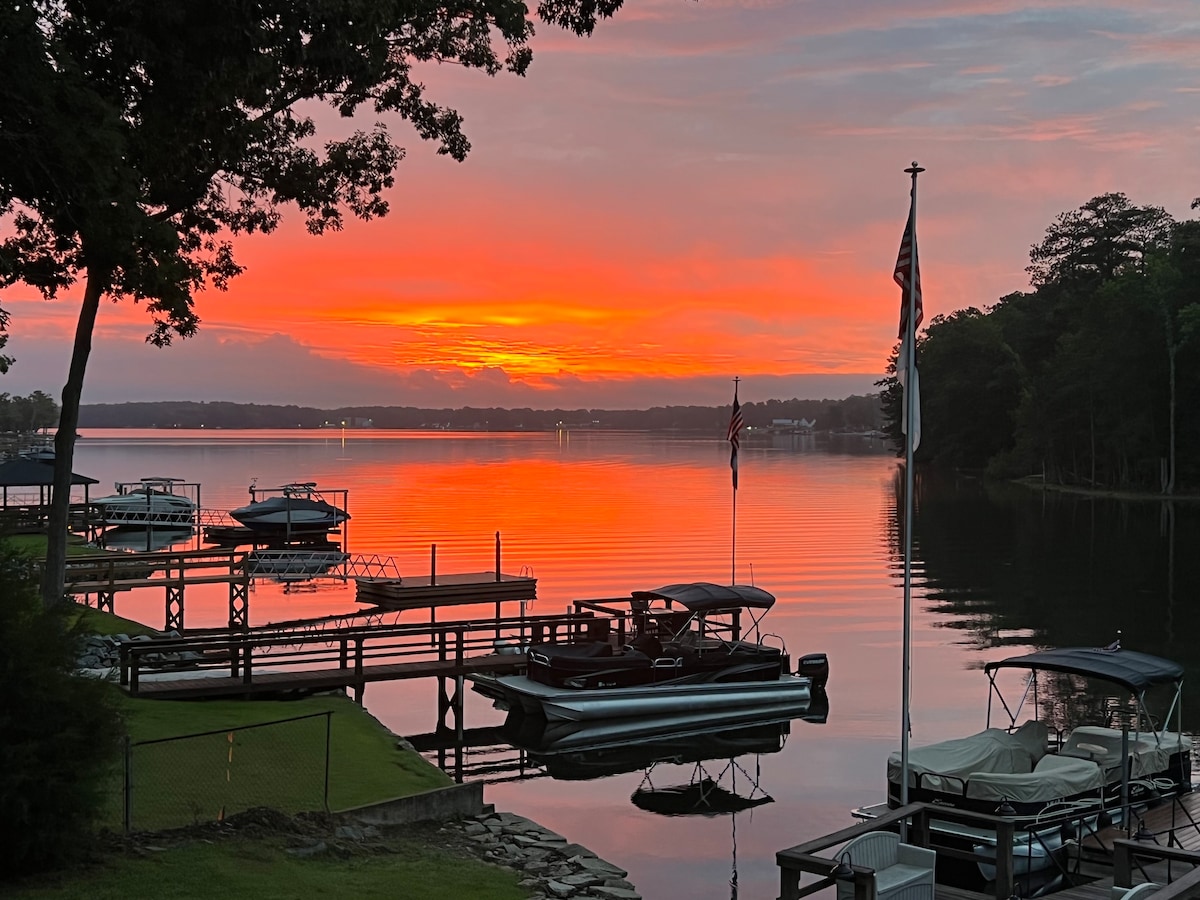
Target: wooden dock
104, 575
1164, 852
434, 591
98, 578
307, 681
297, 659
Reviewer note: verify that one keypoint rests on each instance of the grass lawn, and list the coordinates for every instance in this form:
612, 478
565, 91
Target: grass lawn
35, 545
281, 766
93, 621
410, 867
187, 784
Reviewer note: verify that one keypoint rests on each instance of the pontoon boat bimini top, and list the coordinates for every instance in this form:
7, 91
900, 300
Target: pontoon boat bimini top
1132, 670
702, 596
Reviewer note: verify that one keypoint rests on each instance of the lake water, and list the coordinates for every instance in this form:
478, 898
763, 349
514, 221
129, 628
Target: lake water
998, 569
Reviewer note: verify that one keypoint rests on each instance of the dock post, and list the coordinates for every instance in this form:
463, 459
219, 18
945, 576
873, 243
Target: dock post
498, 556
174, 611
1005, 882
458, 708
239, 597
443, 704
127, 798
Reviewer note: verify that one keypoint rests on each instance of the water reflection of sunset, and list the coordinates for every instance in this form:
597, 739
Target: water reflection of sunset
593, 514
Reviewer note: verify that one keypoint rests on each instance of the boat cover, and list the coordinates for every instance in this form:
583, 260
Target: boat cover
1053, 778
947, 765
1132, 670
702, 596
1151, 753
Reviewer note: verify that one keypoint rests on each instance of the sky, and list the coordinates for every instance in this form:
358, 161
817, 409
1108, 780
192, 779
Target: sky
701, 190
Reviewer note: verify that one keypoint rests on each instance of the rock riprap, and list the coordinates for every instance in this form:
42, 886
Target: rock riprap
554, 868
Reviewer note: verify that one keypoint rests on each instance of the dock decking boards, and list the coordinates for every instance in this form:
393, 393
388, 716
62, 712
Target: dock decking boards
311, 680
423, 591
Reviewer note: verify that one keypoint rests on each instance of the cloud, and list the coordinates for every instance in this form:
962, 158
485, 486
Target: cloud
696, 191
243, 369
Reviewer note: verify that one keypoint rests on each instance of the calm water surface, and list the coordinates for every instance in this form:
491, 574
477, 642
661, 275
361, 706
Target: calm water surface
997, 570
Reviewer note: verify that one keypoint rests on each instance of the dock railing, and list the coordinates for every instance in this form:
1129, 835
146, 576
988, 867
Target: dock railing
628, 618
1130, 855
805, 859
1010, 841
348, 651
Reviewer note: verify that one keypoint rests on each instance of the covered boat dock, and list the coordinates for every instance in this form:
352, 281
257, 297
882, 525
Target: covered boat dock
27, 490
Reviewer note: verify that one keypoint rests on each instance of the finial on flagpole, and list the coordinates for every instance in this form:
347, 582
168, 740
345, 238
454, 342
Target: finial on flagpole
914, 169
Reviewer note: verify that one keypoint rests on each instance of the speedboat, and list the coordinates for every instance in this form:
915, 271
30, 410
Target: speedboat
1055, 784
686, 654
151, 501
297, 507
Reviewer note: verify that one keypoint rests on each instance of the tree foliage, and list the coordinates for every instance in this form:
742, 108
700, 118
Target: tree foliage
24, 415
1093, 378
854, 413
62, 732
138, 140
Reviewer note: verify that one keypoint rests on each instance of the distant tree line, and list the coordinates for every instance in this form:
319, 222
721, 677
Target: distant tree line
1092, 378
852, 413
25, 415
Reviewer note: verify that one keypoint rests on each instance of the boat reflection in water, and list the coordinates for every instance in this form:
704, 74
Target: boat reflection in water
722, 780
584, 750
142, 539
713, 748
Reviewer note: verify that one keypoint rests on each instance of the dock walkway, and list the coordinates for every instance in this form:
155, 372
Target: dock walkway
293, 658
1160, 854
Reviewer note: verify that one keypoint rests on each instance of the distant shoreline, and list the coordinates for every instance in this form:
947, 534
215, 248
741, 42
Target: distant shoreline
1036, 482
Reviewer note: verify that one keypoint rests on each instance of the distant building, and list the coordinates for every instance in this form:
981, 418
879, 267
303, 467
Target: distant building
792, 426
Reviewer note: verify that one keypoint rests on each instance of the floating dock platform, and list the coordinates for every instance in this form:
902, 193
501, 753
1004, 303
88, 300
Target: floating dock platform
426, 591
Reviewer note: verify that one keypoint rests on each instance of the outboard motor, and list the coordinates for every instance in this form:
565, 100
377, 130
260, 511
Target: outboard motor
816, 667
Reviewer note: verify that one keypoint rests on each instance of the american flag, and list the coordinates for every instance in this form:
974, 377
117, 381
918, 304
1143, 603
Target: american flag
908, 272
735, 435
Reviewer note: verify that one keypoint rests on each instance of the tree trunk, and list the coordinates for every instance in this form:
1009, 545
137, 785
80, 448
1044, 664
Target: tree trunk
54, 575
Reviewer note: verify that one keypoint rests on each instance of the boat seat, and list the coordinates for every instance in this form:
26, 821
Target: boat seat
647, 644
581, 650
672, 624
1052, 777
902, 871
1149, 753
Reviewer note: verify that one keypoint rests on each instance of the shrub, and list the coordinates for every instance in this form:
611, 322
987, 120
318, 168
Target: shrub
60, 734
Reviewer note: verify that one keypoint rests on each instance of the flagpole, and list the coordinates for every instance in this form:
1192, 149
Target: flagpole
733, 436
733, 553
910, 394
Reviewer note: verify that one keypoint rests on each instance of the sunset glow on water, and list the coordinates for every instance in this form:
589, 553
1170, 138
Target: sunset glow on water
595, 514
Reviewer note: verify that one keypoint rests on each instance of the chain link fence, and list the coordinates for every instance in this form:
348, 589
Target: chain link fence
179, 781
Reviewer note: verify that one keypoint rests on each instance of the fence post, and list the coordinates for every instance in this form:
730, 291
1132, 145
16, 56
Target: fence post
328, 721
127, 800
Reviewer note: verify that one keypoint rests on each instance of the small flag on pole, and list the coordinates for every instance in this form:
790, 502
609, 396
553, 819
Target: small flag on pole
908, 276
735, 435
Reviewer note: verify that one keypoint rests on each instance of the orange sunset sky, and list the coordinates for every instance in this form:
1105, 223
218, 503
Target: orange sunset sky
702, 189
